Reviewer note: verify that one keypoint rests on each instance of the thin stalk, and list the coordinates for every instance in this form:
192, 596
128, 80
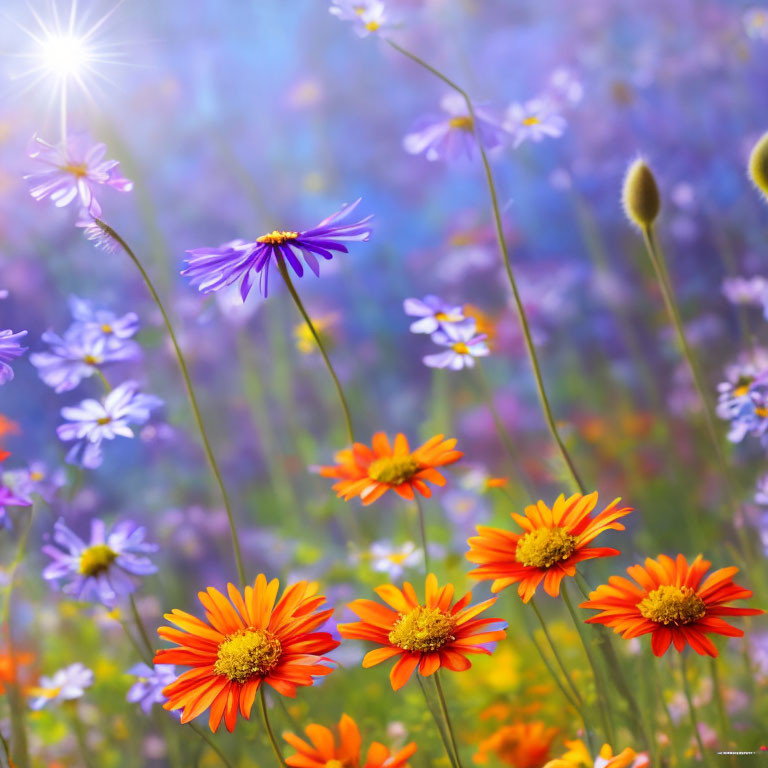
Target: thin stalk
190, 392
656, 257
140, 652
210, 742
141, 628
80, 737
725, 730
444, 738
553, 648
603, 701
316, 336
104, 381
705, 755
268, 728
447, 718
6, 751
422, 530
499, 226
672, 729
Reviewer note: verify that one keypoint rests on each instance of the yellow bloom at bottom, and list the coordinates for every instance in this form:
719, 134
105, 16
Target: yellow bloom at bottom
578, 756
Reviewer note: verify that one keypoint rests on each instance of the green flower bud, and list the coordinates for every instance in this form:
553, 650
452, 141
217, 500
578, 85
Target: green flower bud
758, 165
640, 196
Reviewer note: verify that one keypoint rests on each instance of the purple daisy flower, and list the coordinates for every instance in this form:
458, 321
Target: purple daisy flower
10, 498
441, 137
433, 313
73, 170
106, 567
102, 323
463, 344
534, 120
367, 16
94, 421
214, 268
148, 689
10, 349
78, 354
65, 685
36, 480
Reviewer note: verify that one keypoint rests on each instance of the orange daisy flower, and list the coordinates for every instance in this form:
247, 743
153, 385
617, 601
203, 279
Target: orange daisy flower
324, 752
244, 643
553, 542
673, 601
578, 756
522, 745
370, 472
429, 635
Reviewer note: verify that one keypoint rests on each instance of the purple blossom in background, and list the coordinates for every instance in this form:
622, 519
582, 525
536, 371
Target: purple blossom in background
148, 689
102, 239
10, 498
103, 324
94, 421
10, 349
761, 491
367, 16
743, 400
534, 120
463, 344
747, 291
105, 568
78, 354
756, 23
65, 685
72, 171
565, 87
214, 268
392, 560
36, 480
450, 136
433, 313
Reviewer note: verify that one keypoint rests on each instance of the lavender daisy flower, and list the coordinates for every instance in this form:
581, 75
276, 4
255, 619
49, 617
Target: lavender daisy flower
78, 354
102, 324
745, 290
463, 344
214, 268
65, 685
36, 480
94, 421
432, 312
10, 498
10, 349
104, 569
99, 236
744, 402
441, 137
393, 560
367, 16
148, 689
534, 120
73, 170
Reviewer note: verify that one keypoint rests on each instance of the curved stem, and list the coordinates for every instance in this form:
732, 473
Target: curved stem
316, 336
447, 719
422, 530
268, 727
210, 742
190, 392
705, 755
499, 227
141, 628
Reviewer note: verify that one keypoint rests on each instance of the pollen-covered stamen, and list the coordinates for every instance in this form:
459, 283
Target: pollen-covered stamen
423, 630
462, 123
277, 238
96, 559
373, 26
544, 547
393, 470
672, 605
531, 120
460, 348
445, 317
107, 328
247, 653
103, 420
79, 170
91, 360
742, 386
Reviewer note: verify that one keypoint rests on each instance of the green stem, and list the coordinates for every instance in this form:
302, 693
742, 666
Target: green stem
6, 751
499, 226
717, 687
656, 256
422, 530
190, 392
447, 719
140, 626
436, 716
268, 728
553, 648
80, 736
705, 755
300, 306
210, 742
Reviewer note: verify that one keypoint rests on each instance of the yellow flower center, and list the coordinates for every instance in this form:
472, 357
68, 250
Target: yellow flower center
463, 123
76, 169
106, 328
742, 386
36, 476
460, 348
91, 360
247, 653
359, 10
532, 120
672, 605
761, 411
96, 559
393, 470
545, 547
444, 317
423, 629
277, 238
372, 26
103, 420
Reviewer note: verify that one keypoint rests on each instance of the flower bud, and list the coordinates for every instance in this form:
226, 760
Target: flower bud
640, 196
758, 165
